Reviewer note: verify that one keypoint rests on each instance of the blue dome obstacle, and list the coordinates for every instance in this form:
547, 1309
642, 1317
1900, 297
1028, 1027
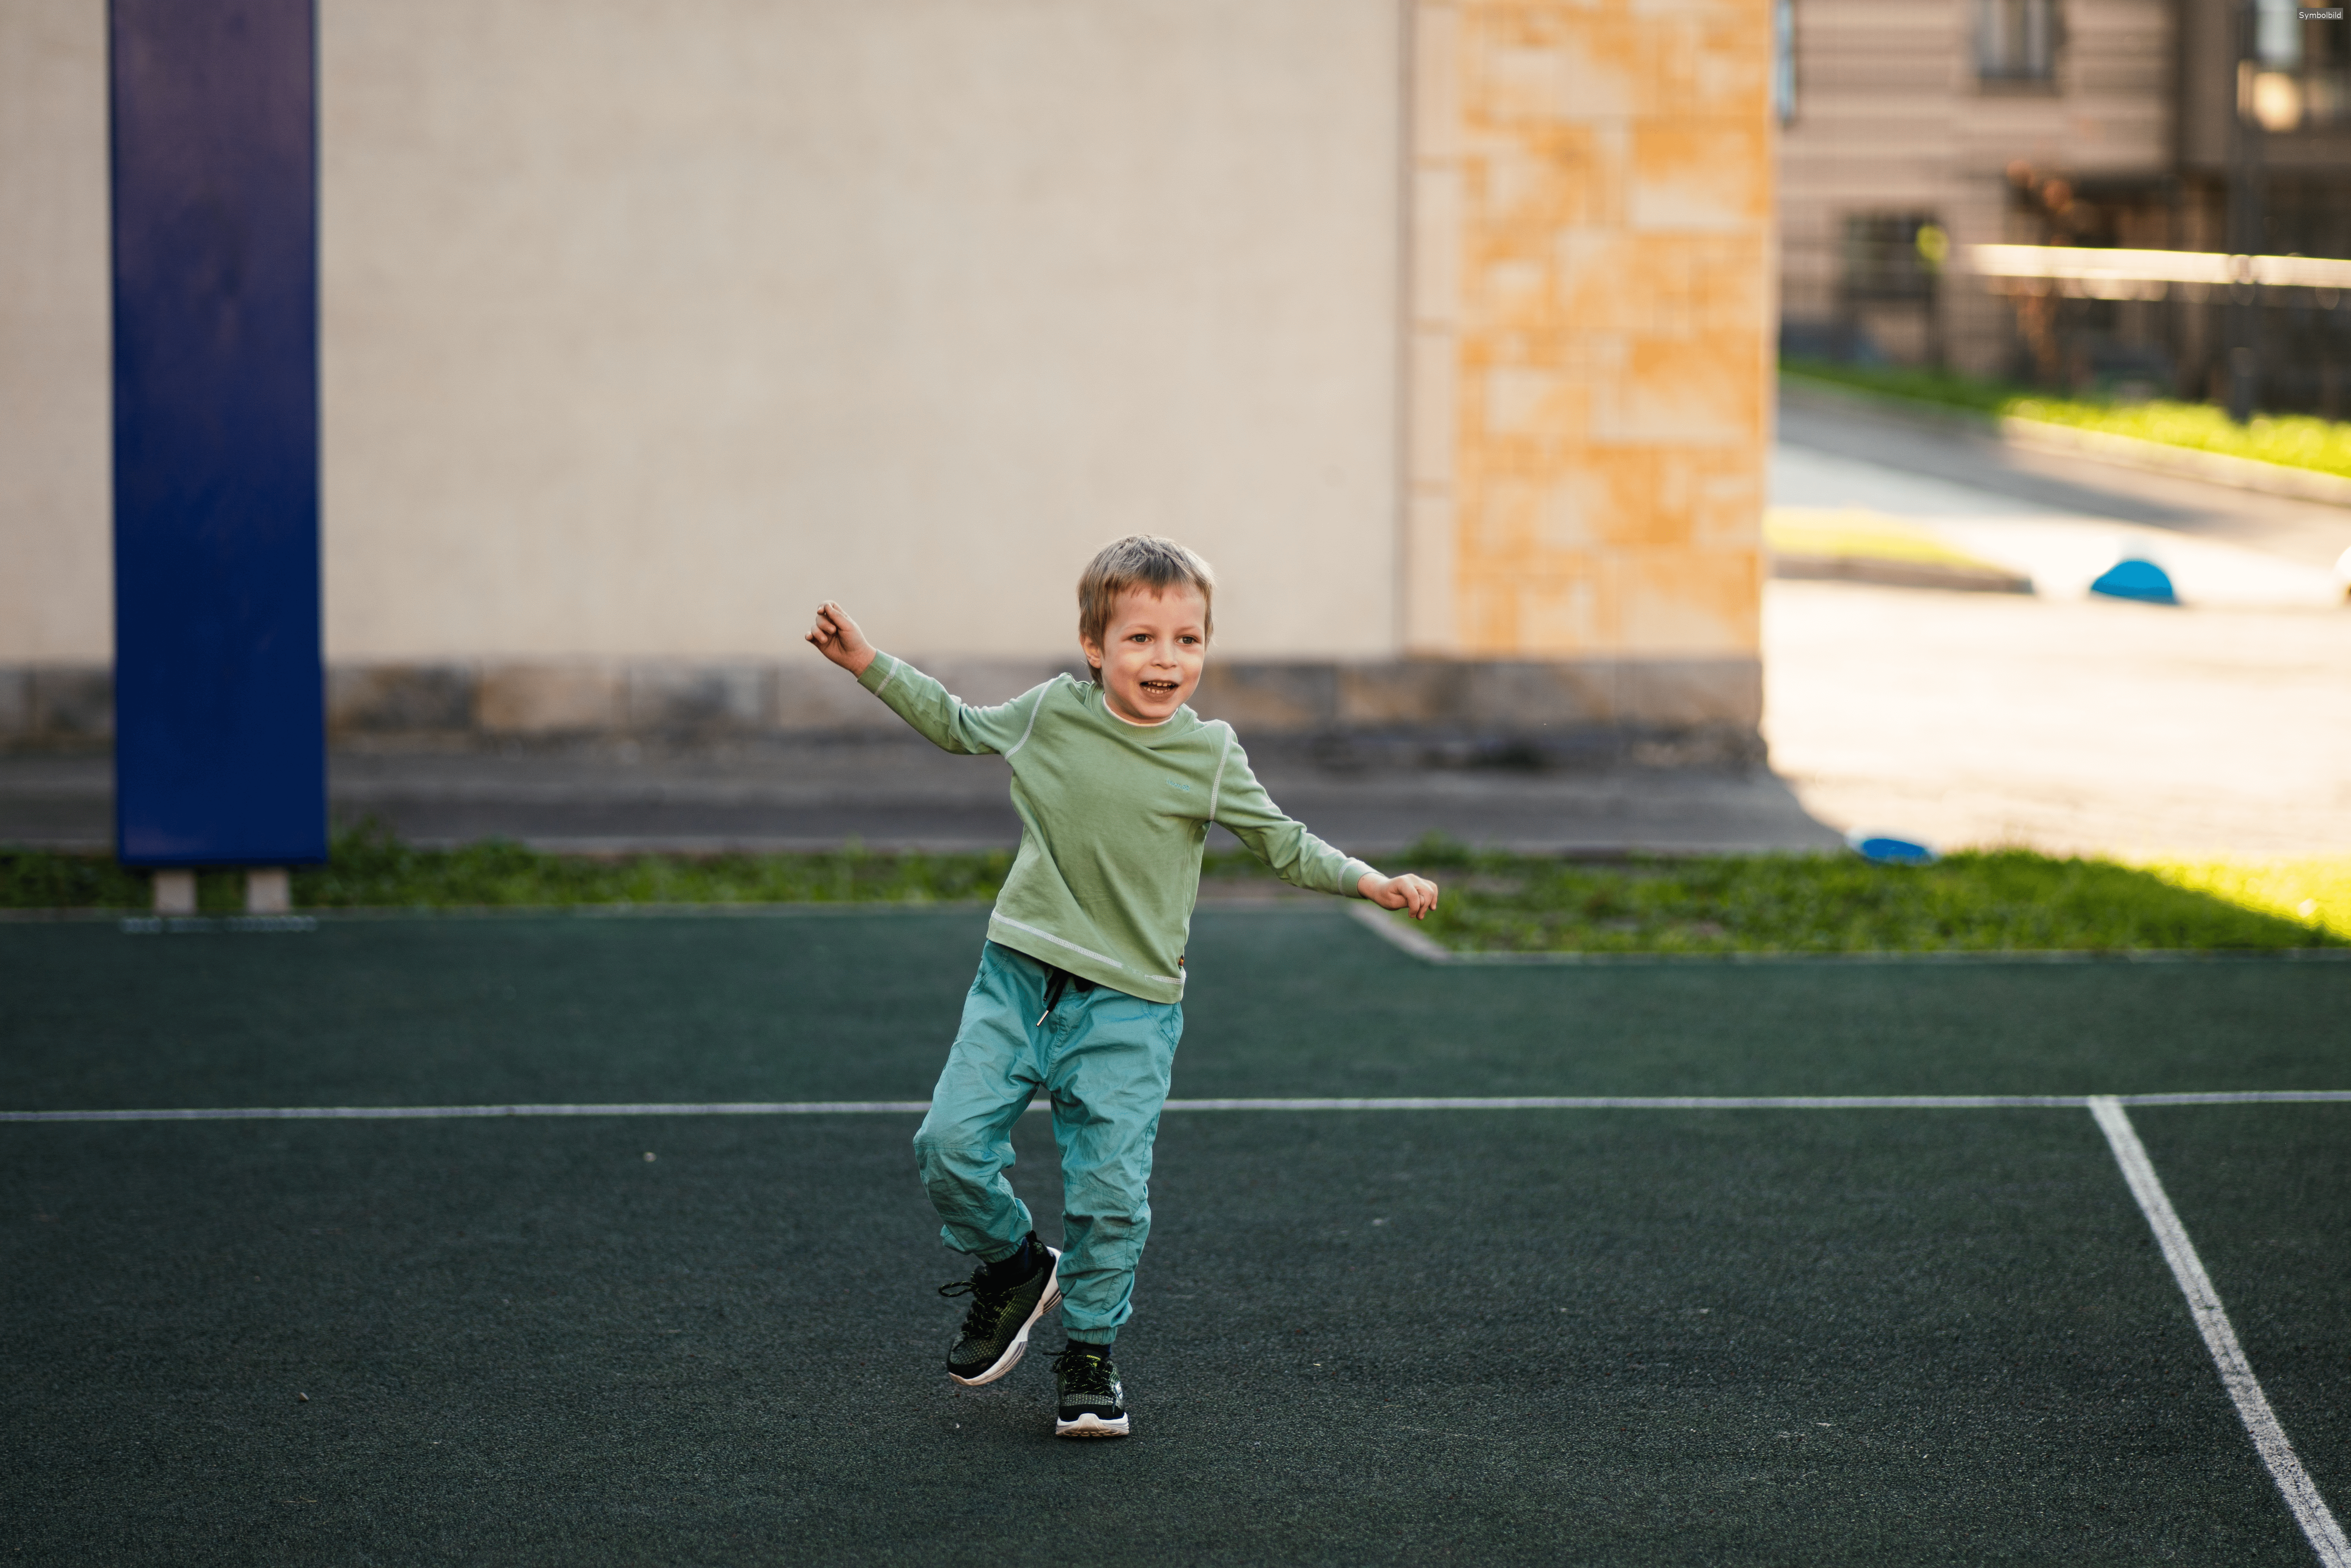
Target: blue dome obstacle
2140, 579
1881, 847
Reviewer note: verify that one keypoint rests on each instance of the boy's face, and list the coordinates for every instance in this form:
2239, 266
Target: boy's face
1152, 653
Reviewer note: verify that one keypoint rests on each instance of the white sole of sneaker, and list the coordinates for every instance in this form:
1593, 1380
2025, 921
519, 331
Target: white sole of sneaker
1090, 1427
1019, 1345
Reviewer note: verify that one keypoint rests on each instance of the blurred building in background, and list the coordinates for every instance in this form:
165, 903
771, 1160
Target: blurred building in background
1912, 132
1441, 327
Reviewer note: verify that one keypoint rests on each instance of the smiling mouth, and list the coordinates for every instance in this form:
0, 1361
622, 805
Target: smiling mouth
1158, 685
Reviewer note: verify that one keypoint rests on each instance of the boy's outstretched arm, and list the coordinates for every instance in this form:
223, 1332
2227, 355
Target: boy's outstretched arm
836, 636
1240, 803
1417, 893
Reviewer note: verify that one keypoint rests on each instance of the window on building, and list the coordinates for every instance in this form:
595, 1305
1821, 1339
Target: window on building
1893, 256
2016, 40
2277, 33
2295, 73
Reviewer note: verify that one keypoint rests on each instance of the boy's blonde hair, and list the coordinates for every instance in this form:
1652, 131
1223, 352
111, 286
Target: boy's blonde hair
1145, 561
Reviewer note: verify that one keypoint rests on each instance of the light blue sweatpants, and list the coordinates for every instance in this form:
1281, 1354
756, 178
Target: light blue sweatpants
1103, 1057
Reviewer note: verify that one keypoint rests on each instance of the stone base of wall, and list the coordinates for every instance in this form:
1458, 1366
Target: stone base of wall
1657, 712
57, 707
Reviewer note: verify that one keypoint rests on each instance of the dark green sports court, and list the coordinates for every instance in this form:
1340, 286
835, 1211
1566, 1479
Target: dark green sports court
1604, 1336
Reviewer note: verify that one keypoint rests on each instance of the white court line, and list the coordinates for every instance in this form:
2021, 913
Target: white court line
2310, 1510
449, 1112
2239, 1097
1390, 1103
1655, 1103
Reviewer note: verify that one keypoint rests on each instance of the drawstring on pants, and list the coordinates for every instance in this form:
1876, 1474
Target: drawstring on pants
1055, 980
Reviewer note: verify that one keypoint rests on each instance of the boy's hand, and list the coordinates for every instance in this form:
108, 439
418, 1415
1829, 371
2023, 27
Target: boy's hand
837, 638
1417, 893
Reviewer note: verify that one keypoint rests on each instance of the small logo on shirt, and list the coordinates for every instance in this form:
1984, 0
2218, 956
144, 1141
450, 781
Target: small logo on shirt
1181, 785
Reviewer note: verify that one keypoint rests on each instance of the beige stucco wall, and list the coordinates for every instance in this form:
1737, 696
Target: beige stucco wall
644, 326
55, 590
647, 326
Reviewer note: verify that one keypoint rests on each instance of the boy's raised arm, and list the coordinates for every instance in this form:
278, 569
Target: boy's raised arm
937, 714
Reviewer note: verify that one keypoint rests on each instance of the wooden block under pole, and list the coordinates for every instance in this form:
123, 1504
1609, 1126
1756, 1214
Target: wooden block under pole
175, 893
268, 890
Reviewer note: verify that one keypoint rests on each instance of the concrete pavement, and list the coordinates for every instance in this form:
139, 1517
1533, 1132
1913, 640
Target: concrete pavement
1992, 476
2080, 725
2061, 721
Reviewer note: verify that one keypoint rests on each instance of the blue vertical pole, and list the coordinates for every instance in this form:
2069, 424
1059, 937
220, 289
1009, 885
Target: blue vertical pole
220, 722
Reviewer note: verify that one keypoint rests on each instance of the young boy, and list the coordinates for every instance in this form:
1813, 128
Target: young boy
1080, 986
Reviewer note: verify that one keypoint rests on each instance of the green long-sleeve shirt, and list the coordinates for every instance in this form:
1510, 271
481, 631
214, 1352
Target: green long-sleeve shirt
1114, 818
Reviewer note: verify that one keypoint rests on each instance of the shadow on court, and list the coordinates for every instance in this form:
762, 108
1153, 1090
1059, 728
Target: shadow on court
1615, 1337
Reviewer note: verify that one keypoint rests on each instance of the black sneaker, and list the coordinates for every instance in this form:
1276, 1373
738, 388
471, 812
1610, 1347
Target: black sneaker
996, 1330
1092, 1404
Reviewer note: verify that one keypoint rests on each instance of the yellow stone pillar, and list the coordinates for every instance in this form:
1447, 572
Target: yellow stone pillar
1591, 309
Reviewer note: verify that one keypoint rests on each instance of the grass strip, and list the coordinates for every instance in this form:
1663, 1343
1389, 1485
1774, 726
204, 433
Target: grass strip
2288, 440
1992, 901
1857, 533
366, 868
1913, 383
1995, 900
